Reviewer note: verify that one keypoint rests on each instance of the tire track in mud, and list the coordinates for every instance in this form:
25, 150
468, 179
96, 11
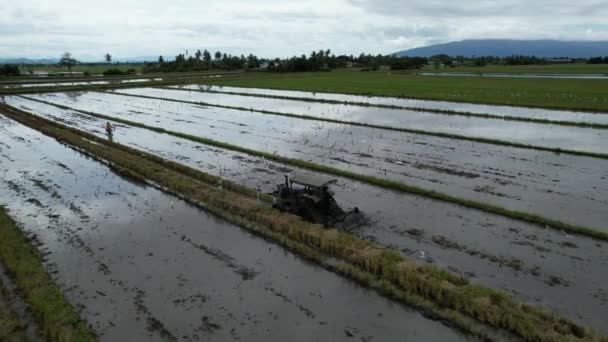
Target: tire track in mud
153, 324
300, 307
246, 273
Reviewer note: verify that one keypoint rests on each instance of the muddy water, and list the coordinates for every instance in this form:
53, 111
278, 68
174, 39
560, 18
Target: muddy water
142, 265
78, 83
564, 273
539, 182
565, 137
535, 113
29, 85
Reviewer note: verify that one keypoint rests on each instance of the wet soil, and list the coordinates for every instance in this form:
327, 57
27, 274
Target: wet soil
142, 265
12, 307
33, 85
542, 183
552, 136
544, 266
524, 112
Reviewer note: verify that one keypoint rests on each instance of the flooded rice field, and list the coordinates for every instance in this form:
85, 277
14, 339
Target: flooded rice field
61, 84
523, 112
562, 272
533, 181
523, 75
551, 136
142, 265
30, 85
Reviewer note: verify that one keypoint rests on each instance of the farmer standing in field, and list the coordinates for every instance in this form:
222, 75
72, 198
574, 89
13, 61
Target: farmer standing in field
109, 130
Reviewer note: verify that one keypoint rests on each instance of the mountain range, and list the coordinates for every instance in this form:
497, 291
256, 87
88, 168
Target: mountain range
509, 47
21, 60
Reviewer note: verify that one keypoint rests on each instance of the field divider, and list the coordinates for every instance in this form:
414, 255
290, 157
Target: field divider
383, 127
397, 107
55, 316
436, 292
538, 220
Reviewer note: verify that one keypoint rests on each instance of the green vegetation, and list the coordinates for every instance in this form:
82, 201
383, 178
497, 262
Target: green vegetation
9, 70
11, 328
576, 68
446, 294
118, 72
439, 111
93, 68
576, 94
55, 316
385, 183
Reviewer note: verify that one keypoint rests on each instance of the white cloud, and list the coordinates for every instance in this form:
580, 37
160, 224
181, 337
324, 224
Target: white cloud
281, 28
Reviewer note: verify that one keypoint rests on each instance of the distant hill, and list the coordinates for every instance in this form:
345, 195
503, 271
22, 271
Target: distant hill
506, 47
21, 60
28, 61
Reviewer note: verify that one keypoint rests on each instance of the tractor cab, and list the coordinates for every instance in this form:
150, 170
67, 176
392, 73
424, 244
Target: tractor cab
310, 197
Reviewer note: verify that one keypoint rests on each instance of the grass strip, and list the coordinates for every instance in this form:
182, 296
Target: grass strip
445, 290
382, 182
11, 327
57, 319
418, 109
398, 129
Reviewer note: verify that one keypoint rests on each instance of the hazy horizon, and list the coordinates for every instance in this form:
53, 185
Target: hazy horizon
272, 28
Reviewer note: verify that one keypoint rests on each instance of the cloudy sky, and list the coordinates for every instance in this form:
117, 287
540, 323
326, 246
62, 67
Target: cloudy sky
270, 28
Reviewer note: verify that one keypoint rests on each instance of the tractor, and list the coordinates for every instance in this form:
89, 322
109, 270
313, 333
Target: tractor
309, 197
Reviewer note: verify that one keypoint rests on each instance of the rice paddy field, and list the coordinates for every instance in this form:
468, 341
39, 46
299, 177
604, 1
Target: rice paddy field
578, 94
483, 222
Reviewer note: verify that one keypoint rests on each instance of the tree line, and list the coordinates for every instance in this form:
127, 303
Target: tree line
480, 61
201, 61
322, 60
598, 60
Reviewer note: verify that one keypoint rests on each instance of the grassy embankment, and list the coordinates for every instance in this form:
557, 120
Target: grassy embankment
443, 294
382, 182
572, 94
55, 316
438, 111
11, 328
576, 68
